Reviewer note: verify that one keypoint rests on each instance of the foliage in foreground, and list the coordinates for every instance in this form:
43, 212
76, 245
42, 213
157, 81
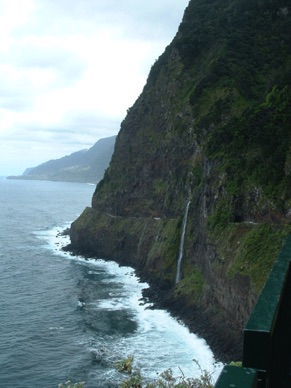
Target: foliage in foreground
165, 379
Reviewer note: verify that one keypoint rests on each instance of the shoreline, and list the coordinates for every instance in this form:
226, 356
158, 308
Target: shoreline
225, 346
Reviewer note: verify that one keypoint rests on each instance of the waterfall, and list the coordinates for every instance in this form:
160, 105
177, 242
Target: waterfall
181, 248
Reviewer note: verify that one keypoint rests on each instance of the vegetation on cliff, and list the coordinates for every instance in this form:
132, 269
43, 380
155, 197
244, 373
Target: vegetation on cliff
212, 126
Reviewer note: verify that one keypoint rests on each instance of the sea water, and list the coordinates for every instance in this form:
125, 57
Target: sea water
66, 318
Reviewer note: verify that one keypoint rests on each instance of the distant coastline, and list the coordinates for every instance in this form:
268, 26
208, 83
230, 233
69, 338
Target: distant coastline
84, 166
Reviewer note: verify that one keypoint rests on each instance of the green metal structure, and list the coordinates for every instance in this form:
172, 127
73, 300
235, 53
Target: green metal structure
267, 335
234, 376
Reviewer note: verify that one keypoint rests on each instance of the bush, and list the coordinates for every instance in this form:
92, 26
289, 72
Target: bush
165, 380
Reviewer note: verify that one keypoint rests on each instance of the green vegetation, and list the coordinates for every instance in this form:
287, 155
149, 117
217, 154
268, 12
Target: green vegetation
163, 253
125, 365
239, 55
236, 363
160, 186
191, 285
257, 252
165, 380
212, 125
250, 249
256, 146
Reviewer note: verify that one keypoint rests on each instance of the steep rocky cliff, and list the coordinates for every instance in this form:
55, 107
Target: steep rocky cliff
212, 126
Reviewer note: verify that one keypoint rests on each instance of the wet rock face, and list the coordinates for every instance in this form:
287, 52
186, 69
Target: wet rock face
210, 127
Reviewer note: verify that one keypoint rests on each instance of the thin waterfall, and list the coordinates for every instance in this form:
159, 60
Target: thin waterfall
181, 249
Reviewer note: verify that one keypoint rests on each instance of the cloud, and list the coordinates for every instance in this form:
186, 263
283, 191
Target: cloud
128, 18
69, 70
38, 54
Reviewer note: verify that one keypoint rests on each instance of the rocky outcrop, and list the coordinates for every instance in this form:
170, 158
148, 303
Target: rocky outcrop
212, 126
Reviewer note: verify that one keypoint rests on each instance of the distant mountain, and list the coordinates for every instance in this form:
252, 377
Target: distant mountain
81, 166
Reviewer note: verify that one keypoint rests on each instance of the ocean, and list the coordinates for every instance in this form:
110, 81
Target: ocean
66, 318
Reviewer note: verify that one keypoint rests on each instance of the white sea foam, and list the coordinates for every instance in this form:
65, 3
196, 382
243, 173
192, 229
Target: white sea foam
160, 341
56, 328
158, 332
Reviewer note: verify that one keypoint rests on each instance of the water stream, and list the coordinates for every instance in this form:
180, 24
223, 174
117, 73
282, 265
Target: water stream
181, 248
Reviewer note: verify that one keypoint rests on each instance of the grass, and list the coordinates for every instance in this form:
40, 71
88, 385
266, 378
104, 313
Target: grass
191, 285
257, 251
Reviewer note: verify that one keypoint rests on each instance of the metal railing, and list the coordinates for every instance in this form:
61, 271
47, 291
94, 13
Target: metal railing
267, 336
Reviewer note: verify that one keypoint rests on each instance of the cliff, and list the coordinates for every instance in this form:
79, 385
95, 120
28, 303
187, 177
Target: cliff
212, 126
82, 166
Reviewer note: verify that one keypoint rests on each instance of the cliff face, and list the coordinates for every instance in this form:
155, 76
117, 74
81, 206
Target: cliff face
212, 126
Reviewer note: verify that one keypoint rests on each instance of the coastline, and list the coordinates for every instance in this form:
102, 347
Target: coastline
224, 344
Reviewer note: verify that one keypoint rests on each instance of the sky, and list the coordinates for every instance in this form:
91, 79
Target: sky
70, 69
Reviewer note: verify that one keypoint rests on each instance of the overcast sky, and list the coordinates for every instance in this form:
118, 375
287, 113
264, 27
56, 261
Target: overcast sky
69, 69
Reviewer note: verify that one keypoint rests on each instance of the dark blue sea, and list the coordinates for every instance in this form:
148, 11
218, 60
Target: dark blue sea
66, 318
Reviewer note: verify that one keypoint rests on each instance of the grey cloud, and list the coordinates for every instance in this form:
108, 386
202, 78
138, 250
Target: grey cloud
79, 120
15, 103
150, 21
88, 125
15, 95
143, 19
57, 137
67, 64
